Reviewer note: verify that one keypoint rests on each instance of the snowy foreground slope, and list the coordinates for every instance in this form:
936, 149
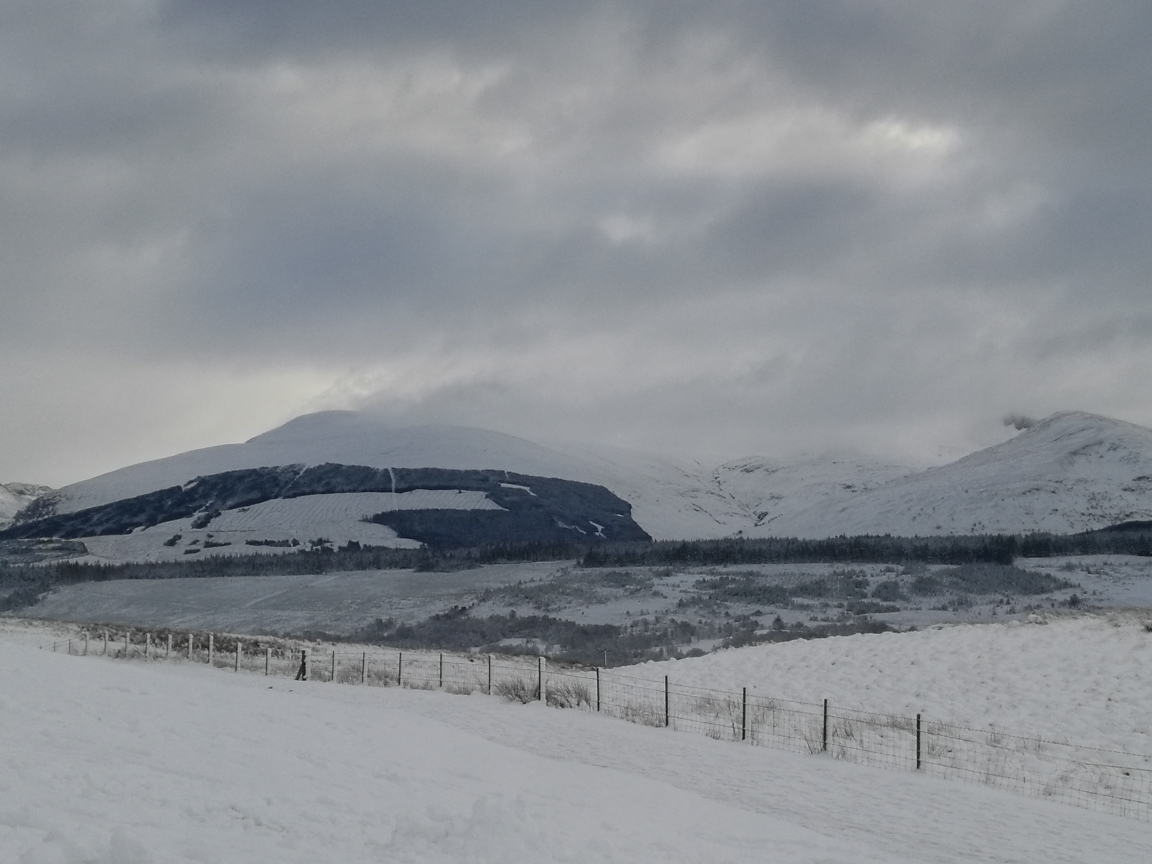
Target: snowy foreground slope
120, 762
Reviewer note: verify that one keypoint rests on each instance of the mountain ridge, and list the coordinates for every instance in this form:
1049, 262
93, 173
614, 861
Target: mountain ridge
1072, 471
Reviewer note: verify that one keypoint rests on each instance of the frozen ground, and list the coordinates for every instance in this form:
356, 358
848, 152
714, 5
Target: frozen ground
124, 763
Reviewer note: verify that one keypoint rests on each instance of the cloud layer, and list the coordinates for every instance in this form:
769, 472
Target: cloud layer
737, 228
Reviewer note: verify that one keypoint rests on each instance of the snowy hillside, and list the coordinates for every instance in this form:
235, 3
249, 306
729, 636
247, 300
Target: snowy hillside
1068, 473
106, 761
14, 497
1071, 472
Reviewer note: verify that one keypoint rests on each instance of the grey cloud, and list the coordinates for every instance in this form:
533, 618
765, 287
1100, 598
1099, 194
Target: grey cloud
792, 221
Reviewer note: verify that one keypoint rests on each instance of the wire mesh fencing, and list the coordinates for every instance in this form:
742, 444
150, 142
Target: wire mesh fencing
1108, 780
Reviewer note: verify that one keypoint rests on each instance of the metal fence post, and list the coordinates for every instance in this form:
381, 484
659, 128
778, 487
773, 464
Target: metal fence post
824, 745
333, 679
743, 713
667, 718
399, 668
441, 671
597, 688
489, 674
917, 742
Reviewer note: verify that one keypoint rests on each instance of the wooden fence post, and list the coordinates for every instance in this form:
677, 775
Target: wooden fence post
85, 644
364, 668
105, 643
543, 683
168, 650
147, 644
597, 688
441, 671
400, 669
211, 647
333, 678
824, 745
126, 644
489, 674
236, 668
267, 659
191, 642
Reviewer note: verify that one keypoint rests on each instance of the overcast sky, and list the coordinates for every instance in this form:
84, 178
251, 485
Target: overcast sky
716, 229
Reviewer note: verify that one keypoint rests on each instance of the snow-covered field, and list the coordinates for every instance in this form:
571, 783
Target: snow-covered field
338, 518
107, 761
1085, 678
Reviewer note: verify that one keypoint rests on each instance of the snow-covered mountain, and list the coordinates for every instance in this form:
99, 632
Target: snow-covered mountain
1070, 472
14, 497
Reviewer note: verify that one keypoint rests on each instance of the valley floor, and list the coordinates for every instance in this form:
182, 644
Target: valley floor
109, 761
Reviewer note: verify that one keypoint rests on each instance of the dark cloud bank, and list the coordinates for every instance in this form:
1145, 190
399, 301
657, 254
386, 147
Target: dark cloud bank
718, 229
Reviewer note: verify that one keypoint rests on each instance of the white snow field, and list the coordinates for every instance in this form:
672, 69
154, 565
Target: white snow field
108, 762
337, 517
1085, 678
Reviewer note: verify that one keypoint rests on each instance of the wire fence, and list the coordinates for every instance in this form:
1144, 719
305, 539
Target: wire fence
1108, 780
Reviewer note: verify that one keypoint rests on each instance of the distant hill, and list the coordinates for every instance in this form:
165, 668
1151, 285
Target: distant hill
14, 497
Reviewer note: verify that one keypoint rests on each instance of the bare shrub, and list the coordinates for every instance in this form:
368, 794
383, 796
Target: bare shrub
518, 689
570, 694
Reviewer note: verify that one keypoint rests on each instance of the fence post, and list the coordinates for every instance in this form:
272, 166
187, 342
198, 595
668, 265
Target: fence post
364, 668
824, 745
333, 679
267, 659
237, 667
105, 643
168, 650
667, 718
743, 713
597, 688
211, 647
126, 644
191, 642
69, 646
85, 644
917, 742
543, 683
399, 668
147, 644
489, 674
441, 670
